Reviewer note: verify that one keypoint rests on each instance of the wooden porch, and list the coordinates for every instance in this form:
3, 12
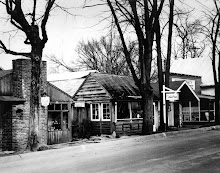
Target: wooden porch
129, 127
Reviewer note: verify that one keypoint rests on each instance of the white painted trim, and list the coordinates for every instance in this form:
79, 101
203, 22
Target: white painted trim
116, 112
185, 83
101, 110
129, 107
199, 111
190, 111
92, 114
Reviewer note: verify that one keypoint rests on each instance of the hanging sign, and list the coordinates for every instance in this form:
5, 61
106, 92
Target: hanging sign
80, 104
45, 101
172, 96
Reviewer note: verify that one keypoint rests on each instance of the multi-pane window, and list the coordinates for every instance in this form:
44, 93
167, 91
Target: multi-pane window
136, 110
58, 107
106, 111
95, 112
58, 116
100, 111
123, 110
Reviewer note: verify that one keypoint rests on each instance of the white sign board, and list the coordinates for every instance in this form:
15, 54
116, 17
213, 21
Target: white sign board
172, 96
191, 83
45, 101
80, 104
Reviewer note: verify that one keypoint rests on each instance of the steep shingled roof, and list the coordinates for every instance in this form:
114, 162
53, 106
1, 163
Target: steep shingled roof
118, 87
69, 82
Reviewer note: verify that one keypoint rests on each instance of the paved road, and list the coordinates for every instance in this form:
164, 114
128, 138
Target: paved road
196, 152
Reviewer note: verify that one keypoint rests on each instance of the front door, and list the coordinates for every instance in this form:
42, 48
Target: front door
176, 114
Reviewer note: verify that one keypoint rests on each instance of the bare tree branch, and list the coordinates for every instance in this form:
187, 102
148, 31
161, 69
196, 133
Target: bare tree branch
2, 46
44, 21
34, 13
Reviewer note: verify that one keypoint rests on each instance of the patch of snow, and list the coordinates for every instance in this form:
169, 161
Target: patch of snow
69, 75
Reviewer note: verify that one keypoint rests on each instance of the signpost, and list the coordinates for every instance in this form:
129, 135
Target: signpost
171, 95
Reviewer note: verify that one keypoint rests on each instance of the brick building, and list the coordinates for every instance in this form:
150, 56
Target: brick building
15, 106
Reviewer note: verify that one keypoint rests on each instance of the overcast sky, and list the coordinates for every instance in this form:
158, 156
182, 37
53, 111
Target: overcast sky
64, 31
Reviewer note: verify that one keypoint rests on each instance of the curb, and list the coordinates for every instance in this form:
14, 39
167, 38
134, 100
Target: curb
32, 155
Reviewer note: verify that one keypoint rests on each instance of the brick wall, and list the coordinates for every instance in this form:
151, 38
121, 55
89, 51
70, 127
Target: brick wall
16, 132
6, 129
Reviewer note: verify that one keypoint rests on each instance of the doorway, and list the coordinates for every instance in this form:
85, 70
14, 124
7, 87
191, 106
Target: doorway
176, 114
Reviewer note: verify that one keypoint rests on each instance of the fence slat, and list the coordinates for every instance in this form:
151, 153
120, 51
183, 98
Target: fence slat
58, 136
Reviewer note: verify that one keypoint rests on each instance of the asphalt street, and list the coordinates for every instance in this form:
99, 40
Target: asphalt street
192, 151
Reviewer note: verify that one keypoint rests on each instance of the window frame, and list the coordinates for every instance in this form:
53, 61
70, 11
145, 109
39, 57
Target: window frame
129, 110
52, 109
91, 112
100, 112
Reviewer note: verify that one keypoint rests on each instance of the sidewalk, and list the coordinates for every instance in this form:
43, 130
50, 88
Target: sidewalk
64, 147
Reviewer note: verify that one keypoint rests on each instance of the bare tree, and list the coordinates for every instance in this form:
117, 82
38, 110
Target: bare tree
166, 70
141, 16
59, 64
34, 29
190, 33
105, 55
213, 34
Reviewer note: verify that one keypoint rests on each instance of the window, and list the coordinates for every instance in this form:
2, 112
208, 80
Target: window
100, 111
57, 106
65, 120
207, 110
129, 110
136, 110
64, 107
54, 121
51, 107
95, 112
106, 111
58, 116
123, 110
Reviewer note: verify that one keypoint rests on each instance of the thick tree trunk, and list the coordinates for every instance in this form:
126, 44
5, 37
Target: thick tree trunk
35, 97
148, 115
160, 73
147, 97
217, 104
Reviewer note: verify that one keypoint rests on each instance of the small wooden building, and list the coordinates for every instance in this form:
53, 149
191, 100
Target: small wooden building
60, 116
197, 107
55, 120
111, 102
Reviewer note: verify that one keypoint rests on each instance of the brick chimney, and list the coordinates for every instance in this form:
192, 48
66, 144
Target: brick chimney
16, 130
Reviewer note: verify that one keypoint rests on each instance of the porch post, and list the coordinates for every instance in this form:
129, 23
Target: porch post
190, 111
130, 112
199, 110
164, 106
116, 112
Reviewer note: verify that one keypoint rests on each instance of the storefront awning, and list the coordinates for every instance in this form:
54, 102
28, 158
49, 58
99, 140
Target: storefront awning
11, 99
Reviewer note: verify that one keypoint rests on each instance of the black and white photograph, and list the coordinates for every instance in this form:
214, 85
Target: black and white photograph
109, 86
